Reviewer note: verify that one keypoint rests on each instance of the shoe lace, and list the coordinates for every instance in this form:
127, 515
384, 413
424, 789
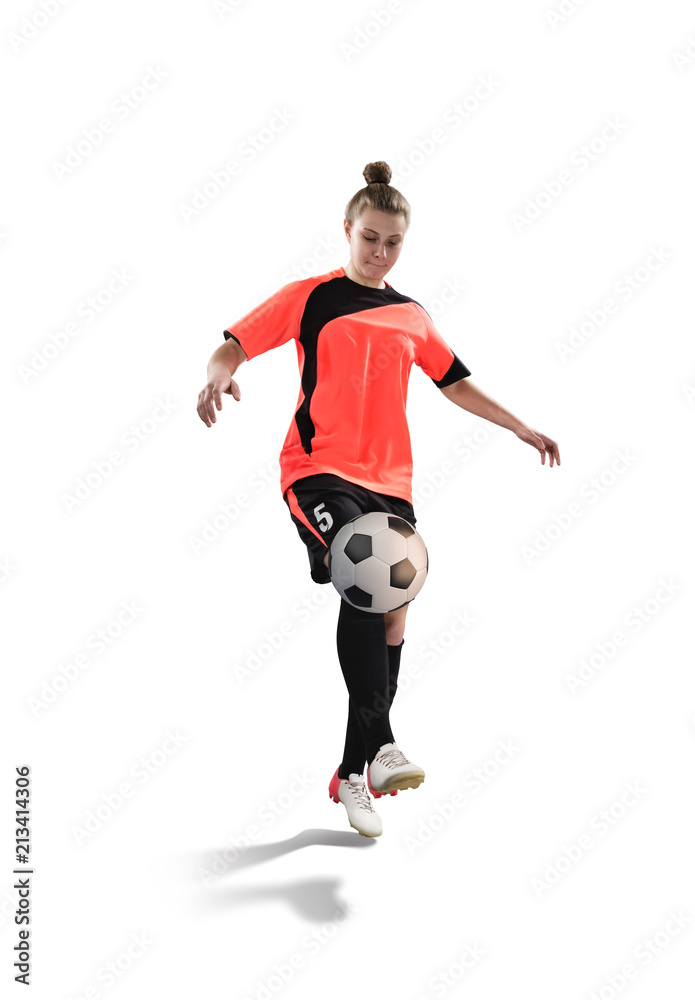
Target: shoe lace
392, 758
361, 795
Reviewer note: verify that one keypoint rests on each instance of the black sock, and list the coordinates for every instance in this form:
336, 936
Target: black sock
364, 660
354, 750
394, 667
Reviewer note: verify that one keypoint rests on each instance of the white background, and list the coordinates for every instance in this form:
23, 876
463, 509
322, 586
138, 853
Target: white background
553, 900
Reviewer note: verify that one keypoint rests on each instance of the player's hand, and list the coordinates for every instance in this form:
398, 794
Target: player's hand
544, 444
210, 397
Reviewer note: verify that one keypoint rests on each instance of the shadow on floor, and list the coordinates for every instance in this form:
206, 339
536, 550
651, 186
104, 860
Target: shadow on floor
225, 861
313, 898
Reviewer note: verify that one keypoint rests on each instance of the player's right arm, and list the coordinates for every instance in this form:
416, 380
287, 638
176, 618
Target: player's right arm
221, 367
268, 325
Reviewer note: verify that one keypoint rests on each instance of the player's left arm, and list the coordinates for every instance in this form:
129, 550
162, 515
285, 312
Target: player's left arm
469, 397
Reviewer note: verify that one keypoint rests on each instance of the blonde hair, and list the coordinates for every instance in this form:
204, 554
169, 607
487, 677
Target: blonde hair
378, 194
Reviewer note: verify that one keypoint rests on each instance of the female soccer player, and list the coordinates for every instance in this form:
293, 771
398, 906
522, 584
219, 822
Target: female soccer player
347, 450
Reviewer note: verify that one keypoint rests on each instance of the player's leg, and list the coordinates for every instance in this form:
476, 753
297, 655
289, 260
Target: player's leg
395, 620
354, 743
364, 660
391, 770
395, 625
355, 752
321, 505
395, 628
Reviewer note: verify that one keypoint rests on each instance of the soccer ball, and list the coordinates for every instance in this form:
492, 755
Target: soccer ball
378, 561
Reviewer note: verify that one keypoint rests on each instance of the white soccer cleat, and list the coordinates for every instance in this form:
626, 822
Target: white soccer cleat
391, 770
355, 797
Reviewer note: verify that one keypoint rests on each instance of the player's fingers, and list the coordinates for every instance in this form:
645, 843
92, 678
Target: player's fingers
209, 408
540, 444
201, 408
217, 396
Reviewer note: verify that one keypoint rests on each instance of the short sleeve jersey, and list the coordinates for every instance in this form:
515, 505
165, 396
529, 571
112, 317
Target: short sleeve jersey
355, 348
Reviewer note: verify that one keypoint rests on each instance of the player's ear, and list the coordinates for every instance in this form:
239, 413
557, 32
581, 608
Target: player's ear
346, 226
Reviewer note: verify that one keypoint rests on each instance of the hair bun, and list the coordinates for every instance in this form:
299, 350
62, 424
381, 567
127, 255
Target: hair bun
377, 172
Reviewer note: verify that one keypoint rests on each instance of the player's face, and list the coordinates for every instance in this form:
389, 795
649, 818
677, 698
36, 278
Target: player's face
375, 241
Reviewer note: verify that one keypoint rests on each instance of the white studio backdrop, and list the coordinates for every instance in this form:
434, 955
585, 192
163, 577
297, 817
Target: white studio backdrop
171, 675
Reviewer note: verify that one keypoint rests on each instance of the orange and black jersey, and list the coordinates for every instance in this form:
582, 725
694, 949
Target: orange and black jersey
355, 348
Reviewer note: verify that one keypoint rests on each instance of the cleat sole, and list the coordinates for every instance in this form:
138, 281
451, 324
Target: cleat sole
398, 783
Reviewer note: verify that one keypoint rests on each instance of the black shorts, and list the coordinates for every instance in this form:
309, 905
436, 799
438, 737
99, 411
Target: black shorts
321, 504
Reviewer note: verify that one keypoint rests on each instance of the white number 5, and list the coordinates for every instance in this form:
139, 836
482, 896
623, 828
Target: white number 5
320, 515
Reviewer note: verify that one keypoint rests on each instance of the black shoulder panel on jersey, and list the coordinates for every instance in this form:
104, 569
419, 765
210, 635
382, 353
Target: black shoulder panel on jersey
333, 298
454, 372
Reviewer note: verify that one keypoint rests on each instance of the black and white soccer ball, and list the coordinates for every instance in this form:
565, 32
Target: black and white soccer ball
378, 561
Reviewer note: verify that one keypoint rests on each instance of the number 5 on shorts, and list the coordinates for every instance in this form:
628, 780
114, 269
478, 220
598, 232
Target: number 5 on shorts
320, 515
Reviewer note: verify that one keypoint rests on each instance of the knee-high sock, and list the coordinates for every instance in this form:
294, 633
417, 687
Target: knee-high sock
354, 753
361, 641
